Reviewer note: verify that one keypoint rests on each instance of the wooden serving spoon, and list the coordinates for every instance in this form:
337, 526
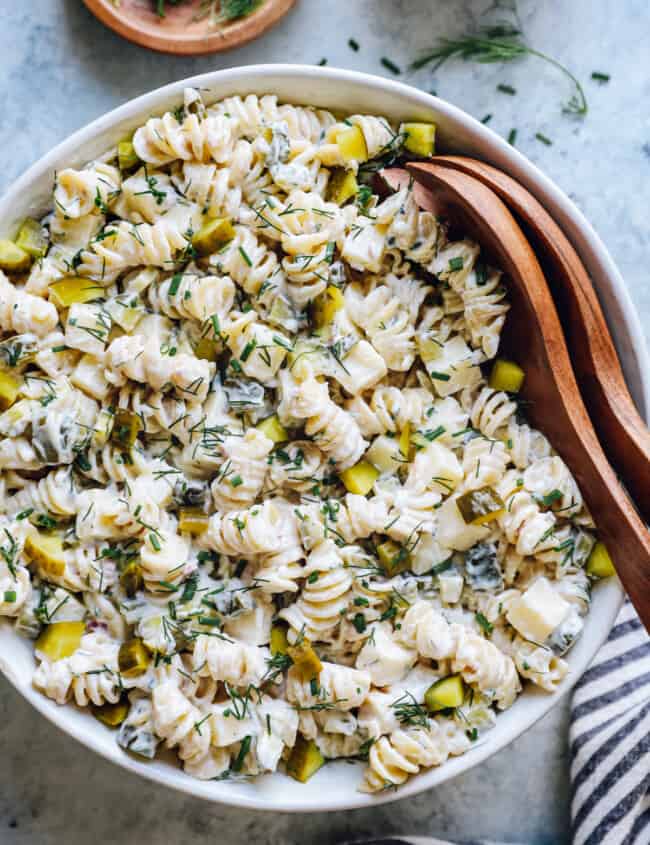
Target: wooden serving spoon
623, 434
533, 337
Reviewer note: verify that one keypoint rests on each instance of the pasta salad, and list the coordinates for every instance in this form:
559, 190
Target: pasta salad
268, 496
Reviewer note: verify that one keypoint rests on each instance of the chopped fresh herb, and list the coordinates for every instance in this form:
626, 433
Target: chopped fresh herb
353, 44
391, 66
484, 624
360, 601
512, 137
10, 596
245, 256
210, 621
236, 481
359, 622
543, 139
486, 118
155, 542
551, 497
322, 63
439, 376
244, 748
175, 284
600, 77
456, 264
507, 89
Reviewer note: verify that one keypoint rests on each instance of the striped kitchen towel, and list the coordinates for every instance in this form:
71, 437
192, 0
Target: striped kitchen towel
609, 736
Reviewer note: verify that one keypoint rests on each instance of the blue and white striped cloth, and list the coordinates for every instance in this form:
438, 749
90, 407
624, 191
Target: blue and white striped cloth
609, 737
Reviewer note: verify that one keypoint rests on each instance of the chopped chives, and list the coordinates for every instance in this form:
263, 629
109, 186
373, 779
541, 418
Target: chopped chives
456, 264
322, 63
155, 542
512, 137
175, 284
391, 66
439, 376
353, 44
10, 596
486, 118
245, 256
507, 89
543, 139
600, 77
237, 481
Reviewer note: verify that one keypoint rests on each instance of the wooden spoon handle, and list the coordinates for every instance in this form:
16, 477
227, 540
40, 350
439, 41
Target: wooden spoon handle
556, 406
621, 430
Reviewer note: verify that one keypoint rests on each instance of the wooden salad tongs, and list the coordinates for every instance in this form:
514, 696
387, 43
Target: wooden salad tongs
533, 337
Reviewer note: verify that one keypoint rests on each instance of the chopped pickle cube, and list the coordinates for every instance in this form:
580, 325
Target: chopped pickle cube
131, 578
213, 236
599, 563
272, 428
279, 642
32, 239
305, 759
326, 305
74, 289
133, 658
126, 428
46, 551
305, 660
446, 693
13, 259
193, 520
111, 715
342, 186
206, 349
428, 348
420, 138
60, 639
480, 506
393, 557
405, 441
352, 144
506, 376
126, 155
9, 388
360, 478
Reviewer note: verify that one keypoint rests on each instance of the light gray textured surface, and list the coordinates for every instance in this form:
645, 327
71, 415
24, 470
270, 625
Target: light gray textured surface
59, 68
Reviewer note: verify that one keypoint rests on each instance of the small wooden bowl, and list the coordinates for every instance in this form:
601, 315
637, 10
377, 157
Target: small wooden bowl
179, 32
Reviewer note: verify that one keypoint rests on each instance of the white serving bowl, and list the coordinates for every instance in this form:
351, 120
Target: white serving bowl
335, 786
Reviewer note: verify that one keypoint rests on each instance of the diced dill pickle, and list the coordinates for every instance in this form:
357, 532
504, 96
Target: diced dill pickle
279, 643
131, 578
305, 660
13, 259
46, 551
193, 520
506, 376
305, 759
405, 440
126, 156
352, 144
360, 478
9, 388
111, 715
342, 186
74, 289
599, 563
446, 693
31, 238
393, 557
477, 507
126, 428
326, 305
272, 428
133, 658
206, 349
60, 639
213, 236
428, 348
420, 138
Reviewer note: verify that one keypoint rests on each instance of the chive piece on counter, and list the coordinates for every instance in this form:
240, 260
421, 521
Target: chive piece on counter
391, 66
353, 45
512, 137
600, 77
543, 139
486, 119
506, 89
322, 63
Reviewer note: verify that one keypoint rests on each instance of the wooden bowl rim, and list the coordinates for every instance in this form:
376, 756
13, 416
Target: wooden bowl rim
193, 44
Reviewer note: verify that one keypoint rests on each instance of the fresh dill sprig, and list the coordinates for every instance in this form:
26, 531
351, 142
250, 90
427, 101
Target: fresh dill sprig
500, 43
